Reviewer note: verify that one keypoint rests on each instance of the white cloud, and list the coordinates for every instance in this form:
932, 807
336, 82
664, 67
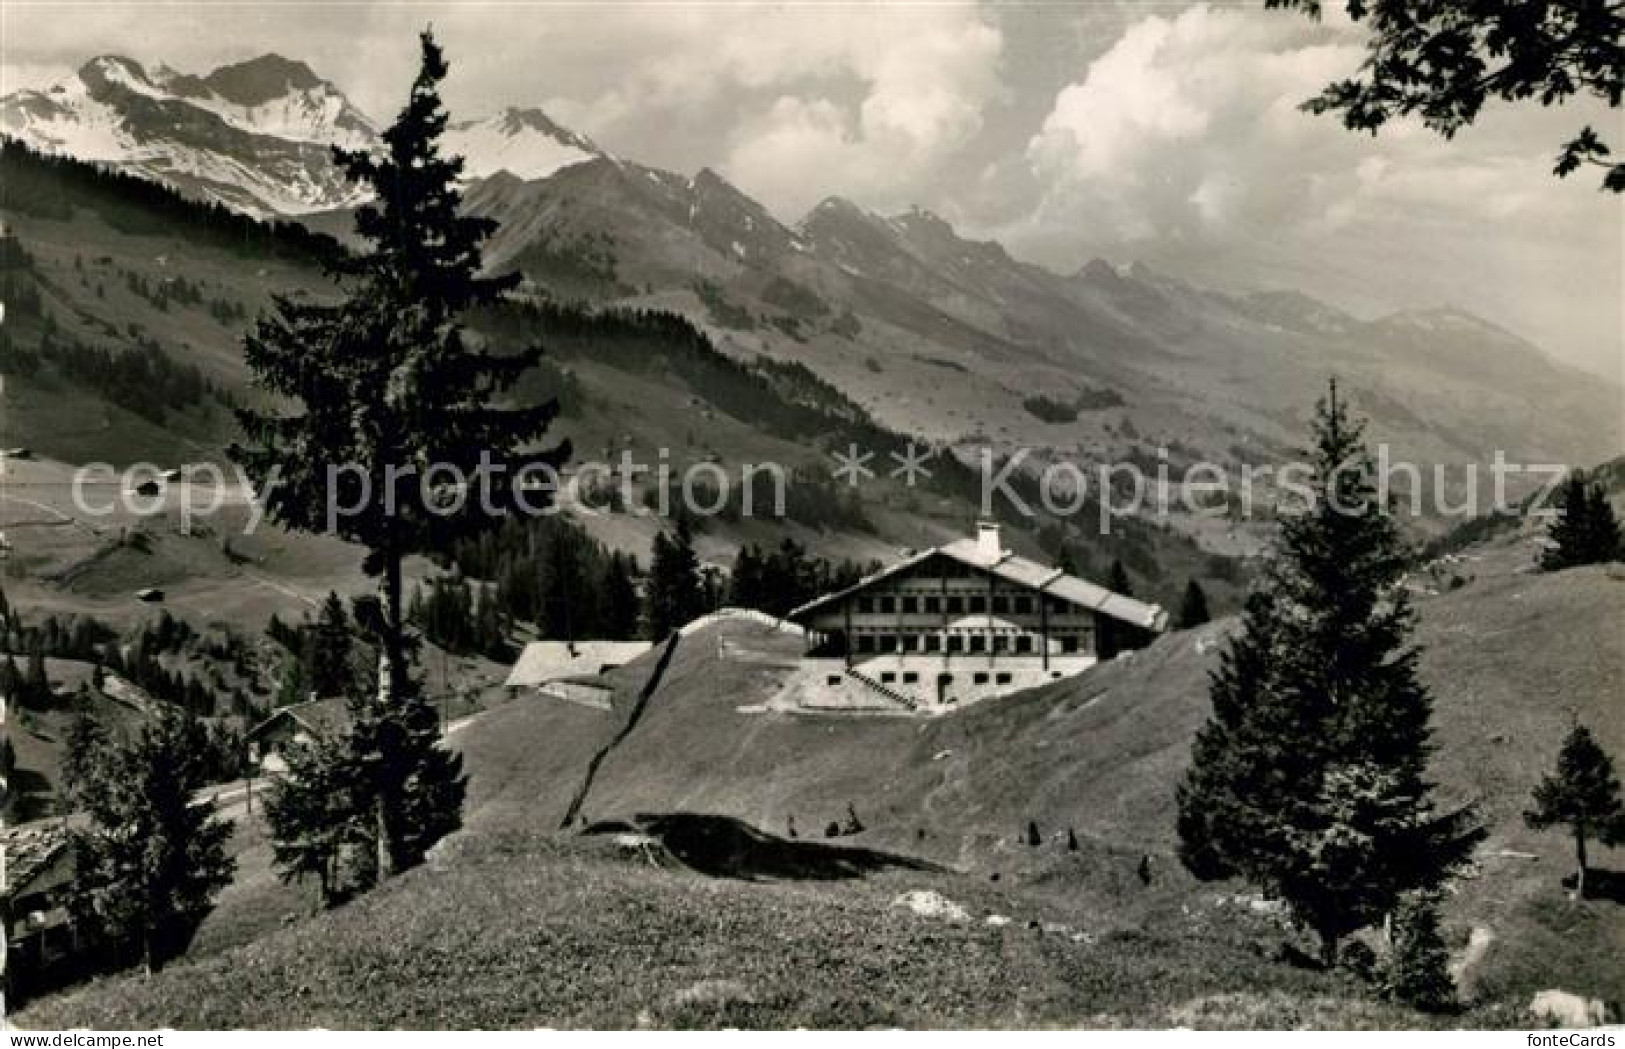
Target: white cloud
922, 78
1184, 143
1183, 126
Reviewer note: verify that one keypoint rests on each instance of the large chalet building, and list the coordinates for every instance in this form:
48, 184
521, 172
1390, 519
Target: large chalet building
960, 623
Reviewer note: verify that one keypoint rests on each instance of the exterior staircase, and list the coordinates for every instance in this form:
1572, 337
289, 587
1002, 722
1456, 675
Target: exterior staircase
885, 691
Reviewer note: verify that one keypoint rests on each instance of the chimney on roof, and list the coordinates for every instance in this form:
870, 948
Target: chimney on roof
988, 545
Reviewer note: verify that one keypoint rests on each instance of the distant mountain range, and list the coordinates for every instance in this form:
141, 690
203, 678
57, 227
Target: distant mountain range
934, 333
253, 135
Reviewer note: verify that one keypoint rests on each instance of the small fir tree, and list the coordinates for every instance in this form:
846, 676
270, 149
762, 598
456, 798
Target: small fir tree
1583, 794
1418, 966
1193, 610
1584, 529
150, 862
83, 755
316, 811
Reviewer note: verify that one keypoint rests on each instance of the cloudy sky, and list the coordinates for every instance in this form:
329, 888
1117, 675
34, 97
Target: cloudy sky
1162, 131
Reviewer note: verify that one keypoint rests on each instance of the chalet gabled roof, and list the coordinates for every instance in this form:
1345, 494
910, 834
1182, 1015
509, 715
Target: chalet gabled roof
1021, 571
320, 717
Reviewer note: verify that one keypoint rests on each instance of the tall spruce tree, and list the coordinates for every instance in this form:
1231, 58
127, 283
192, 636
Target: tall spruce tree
149, 863
1310, 777
675, 590
1582, 793
400, 416
327, 645
618, 595
1584, 529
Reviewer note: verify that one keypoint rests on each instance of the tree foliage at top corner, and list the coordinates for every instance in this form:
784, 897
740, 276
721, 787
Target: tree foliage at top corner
1441, 61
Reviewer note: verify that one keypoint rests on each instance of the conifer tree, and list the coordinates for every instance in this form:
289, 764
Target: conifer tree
1310, 779
327, 644
1114, 635
620, 598
8, 768
11, 680
565, 597
82, 752
1418, 968
399, 413
1117, 580
746, 584
1584, 529
1193, 610
675, 591
148, 866
316, 811
1583, 794
1607, 541
36, 686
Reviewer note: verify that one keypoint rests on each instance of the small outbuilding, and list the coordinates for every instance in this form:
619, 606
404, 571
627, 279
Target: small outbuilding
545, 662
316, 719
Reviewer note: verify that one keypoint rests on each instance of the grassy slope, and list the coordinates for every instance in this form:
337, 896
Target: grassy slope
522, 932
514, 926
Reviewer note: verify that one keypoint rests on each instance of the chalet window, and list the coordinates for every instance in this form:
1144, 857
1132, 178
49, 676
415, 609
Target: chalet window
956, 605
933, 642
866, 643
888, 604
933, 604
1024, 643
1001, 603
1069, 643
1024, 605
978, 643
911, 604
980, 678
866, 604
1001, 643
911, 678
833, 679
1001, 679
978, 603
888, 678
956, 643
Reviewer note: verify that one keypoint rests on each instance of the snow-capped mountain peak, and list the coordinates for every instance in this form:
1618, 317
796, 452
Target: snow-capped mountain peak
272, 95
526, 143
256, 134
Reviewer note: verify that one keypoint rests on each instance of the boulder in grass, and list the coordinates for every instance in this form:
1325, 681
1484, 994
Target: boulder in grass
1568, 1010
928, 903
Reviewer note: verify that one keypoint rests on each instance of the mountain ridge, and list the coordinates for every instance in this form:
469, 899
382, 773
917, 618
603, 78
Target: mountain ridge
879, 306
